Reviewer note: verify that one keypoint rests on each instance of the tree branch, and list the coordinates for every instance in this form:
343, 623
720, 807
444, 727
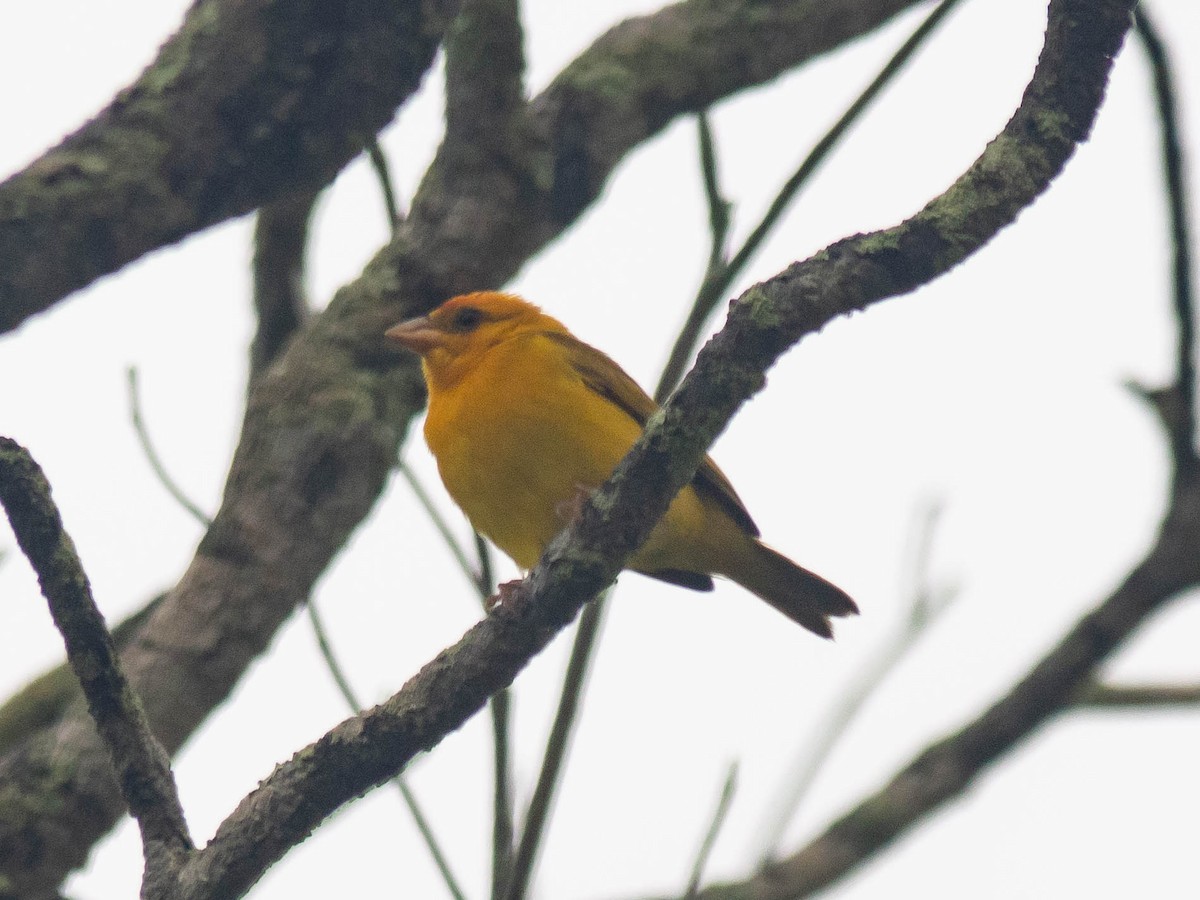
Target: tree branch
248, 101
557, 744
142, 767
1184, 445
723, 271
924, 606
1098, 695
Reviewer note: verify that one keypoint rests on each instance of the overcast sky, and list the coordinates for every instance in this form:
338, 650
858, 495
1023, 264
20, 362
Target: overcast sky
996, 391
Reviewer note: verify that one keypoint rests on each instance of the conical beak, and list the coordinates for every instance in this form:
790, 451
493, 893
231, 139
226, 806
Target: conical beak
418, 335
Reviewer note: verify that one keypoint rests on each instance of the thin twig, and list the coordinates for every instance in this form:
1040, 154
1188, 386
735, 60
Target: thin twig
556, 747
410, 799
152, 457
724, 801
1176, 188
331, 661
500, 708
382, 172
502, 802
718, 206
443, 528
925, 605
142, 766
482, 580
1137, 696
484, 574
713, 288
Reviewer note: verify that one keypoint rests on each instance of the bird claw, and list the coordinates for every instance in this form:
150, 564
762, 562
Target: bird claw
504, 594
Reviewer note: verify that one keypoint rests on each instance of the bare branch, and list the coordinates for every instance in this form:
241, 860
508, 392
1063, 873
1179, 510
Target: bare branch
586, 637
949, 766
922, 610
1184, 435
723, 272
384, 176
718, 206
152, 457
1098, 695
142, 767
724, 801
500, 707
248, 101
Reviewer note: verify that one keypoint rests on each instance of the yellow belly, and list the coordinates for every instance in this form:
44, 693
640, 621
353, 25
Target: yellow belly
518, 439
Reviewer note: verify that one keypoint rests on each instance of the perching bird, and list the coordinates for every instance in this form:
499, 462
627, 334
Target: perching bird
523, 417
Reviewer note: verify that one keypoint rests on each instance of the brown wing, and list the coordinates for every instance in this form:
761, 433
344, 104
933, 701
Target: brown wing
609, 380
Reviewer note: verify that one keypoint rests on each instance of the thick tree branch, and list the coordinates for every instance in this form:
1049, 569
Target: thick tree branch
324, 421
1055, 114
248, 101
142, 767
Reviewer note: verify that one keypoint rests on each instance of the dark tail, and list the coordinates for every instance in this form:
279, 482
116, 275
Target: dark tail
803, 596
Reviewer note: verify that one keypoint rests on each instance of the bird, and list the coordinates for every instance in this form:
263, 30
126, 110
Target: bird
524, 419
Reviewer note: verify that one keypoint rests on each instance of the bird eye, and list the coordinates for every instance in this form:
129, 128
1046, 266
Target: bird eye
466, 319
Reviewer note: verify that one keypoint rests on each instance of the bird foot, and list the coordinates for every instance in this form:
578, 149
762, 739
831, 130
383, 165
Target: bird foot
504, 594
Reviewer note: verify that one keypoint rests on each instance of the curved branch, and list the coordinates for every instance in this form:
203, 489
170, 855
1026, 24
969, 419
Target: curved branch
948, 767
249, 100
142, 767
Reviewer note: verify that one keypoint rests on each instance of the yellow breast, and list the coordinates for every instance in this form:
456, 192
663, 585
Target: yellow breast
518, 438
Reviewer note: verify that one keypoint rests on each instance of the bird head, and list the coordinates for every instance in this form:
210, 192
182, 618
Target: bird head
452, 337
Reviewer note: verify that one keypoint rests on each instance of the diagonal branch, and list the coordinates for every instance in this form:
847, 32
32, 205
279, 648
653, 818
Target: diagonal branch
248, 101
142, 767
722, 272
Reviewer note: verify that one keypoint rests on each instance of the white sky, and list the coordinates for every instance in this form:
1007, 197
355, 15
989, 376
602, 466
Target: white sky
997, 390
